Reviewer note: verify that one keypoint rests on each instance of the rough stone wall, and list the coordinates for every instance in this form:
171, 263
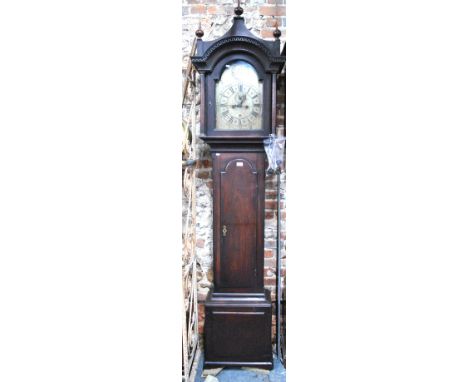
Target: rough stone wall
215, 17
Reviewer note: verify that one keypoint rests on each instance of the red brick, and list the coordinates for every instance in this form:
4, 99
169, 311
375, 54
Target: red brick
205, 163
269, 214
271, 22
213, 10
269, 253
267, 33
201, 310
201, 317
199, 8
272, 10
270, 204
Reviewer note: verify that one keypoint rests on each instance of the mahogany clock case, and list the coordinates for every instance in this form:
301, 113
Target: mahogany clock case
238, 308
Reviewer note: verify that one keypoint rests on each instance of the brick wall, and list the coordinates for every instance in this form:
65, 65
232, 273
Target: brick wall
215, 17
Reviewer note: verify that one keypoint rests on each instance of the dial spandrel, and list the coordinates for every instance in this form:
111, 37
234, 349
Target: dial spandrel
239, 95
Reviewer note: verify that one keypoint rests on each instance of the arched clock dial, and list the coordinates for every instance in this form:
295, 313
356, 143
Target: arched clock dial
239, 98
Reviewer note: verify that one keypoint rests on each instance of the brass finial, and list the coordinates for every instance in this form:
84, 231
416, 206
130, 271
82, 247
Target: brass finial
276, 32
199, 32
238, 10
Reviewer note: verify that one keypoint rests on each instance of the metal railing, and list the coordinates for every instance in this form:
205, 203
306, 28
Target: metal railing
190, 334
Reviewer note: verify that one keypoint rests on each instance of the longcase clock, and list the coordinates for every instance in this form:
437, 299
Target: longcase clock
238, 107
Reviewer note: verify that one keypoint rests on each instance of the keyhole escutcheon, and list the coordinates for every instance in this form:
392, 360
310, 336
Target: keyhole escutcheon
224, 230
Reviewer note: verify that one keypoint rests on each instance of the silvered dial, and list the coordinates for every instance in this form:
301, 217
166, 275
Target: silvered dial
239, 98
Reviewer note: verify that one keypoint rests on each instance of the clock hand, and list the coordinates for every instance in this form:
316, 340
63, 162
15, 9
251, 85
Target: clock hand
240, 99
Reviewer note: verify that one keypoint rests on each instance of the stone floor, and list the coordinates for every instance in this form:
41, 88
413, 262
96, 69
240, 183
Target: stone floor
278, 374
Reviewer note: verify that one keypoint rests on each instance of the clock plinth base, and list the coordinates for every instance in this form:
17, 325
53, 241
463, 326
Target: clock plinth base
238, 330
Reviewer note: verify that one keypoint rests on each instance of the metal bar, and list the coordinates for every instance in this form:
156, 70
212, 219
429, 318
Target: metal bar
184, 337
189, 71
190, 340
191, 362
278, 265
188, 162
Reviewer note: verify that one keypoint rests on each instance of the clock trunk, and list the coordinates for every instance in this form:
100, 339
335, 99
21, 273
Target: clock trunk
238, 308
238, 221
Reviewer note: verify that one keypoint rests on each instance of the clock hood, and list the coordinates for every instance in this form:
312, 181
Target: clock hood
238, 39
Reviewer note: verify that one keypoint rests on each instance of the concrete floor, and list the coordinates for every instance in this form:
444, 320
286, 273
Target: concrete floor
278, 374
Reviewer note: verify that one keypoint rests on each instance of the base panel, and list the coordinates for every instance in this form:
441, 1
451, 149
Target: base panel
259, 365
238, 334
